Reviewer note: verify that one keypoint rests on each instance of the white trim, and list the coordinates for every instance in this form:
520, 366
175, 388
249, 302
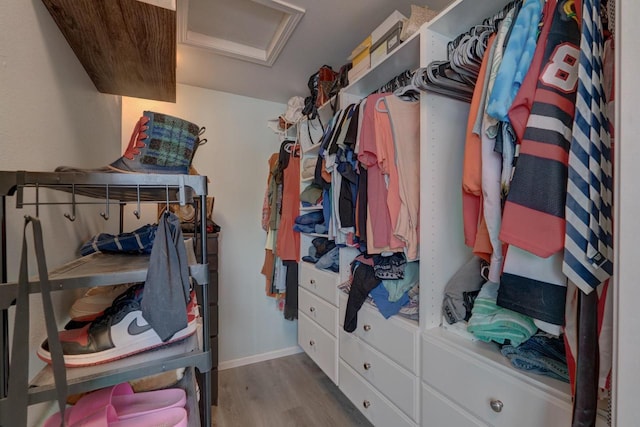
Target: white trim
165, 4
267, 56
259, 358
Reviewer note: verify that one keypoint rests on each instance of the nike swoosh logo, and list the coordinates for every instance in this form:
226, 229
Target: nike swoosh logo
135, 329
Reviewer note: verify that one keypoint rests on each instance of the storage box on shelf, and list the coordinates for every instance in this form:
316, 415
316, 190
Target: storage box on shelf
360, 59
106, 269
383, 47
405, 56
392, 21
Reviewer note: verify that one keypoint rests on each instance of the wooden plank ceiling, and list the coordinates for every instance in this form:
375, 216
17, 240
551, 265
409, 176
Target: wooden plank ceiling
126, 46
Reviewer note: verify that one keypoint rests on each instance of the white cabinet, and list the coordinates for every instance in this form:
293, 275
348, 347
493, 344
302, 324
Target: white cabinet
479, 379
322, 283
383, 354
397, 337
318, 317
373, 405
425, 374
464, 383
319, 344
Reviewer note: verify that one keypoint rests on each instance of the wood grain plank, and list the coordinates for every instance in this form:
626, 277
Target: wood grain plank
127, 47
289, 391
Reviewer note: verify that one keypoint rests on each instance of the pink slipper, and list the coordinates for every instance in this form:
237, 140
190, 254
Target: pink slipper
107, 417
122, 401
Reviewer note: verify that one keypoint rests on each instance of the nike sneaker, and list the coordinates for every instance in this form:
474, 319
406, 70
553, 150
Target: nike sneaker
120, 332
95, 301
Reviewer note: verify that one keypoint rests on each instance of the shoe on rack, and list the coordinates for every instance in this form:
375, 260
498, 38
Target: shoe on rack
120, 406
93, 303
119, 332
160, 144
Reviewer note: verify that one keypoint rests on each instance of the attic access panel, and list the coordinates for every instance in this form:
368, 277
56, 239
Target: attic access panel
250, 30
127, 47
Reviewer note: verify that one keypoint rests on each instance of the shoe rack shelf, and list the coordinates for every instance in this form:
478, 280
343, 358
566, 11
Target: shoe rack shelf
97, 269
108, 269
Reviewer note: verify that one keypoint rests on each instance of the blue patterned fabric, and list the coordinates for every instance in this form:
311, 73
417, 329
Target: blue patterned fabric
139, 241
588, 251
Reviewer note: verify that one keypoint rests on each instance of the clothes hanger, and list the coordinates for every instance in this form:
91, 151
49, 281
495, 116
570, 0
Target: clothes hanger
409, 91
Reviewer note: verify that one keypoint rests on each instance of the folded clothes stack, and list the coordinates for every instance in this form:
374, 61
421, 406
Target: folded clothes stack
324, 254
312, 222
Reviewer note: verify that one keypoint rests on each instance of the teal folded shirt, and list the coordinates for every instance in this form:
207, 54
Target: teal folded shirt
490, 322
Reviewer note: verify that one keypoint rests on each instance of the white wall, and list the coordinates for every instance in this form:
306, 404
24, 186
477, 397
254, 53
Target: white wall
50, 115
235, 160
626, 381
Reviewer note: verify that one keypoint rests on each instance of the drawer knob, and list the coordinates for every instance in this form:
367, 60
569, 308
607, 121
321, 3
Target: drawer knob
367, 327
367, 366
496, 405
366, 403
312, 309
312, 343
312, 281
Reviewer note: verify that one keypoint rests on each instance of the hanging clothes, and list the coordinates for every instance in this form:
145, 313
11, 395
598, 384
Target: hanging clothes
533, 218
270, 220
288, 240
404, 118
378, 219
475, 227
385, 155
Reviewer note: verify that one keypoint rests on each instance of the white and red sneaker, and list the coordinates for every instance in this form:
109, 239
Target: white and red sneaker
120, 332
95, 301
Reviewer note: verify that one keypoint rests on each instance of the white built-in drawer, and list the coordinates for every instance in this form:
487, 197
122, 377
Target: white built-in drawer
396, 383
396, 338
325, 314
319, 282
319, 345
438, 411
490, 391
380, 411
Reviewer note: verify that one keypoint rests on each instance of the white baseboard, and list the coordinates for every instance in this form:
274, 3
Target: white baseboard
228, 364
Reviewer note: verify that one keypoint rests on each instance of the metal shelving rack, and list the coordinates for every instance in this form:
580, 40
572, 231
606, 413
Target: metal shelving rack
106, 269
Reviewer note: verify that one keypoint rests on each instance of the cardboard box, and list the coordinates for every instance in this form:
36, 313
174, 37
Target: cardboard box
365, 45
386, 44
364, 55
387, 25
359, 69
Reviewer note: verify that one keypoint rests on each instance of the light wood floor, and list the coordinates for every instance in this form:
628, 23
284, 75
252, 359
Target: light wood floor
289, 391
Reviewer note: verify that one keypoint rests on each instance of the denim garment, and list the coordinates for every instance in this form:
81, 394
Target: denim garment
322, 245
138, 241
304, 228
330, 260
320, 229
540, 354
313, 217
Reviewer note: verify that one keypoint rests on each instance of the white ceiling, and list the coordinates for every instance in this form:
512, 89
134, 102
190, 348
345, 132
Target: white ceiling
318, 32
